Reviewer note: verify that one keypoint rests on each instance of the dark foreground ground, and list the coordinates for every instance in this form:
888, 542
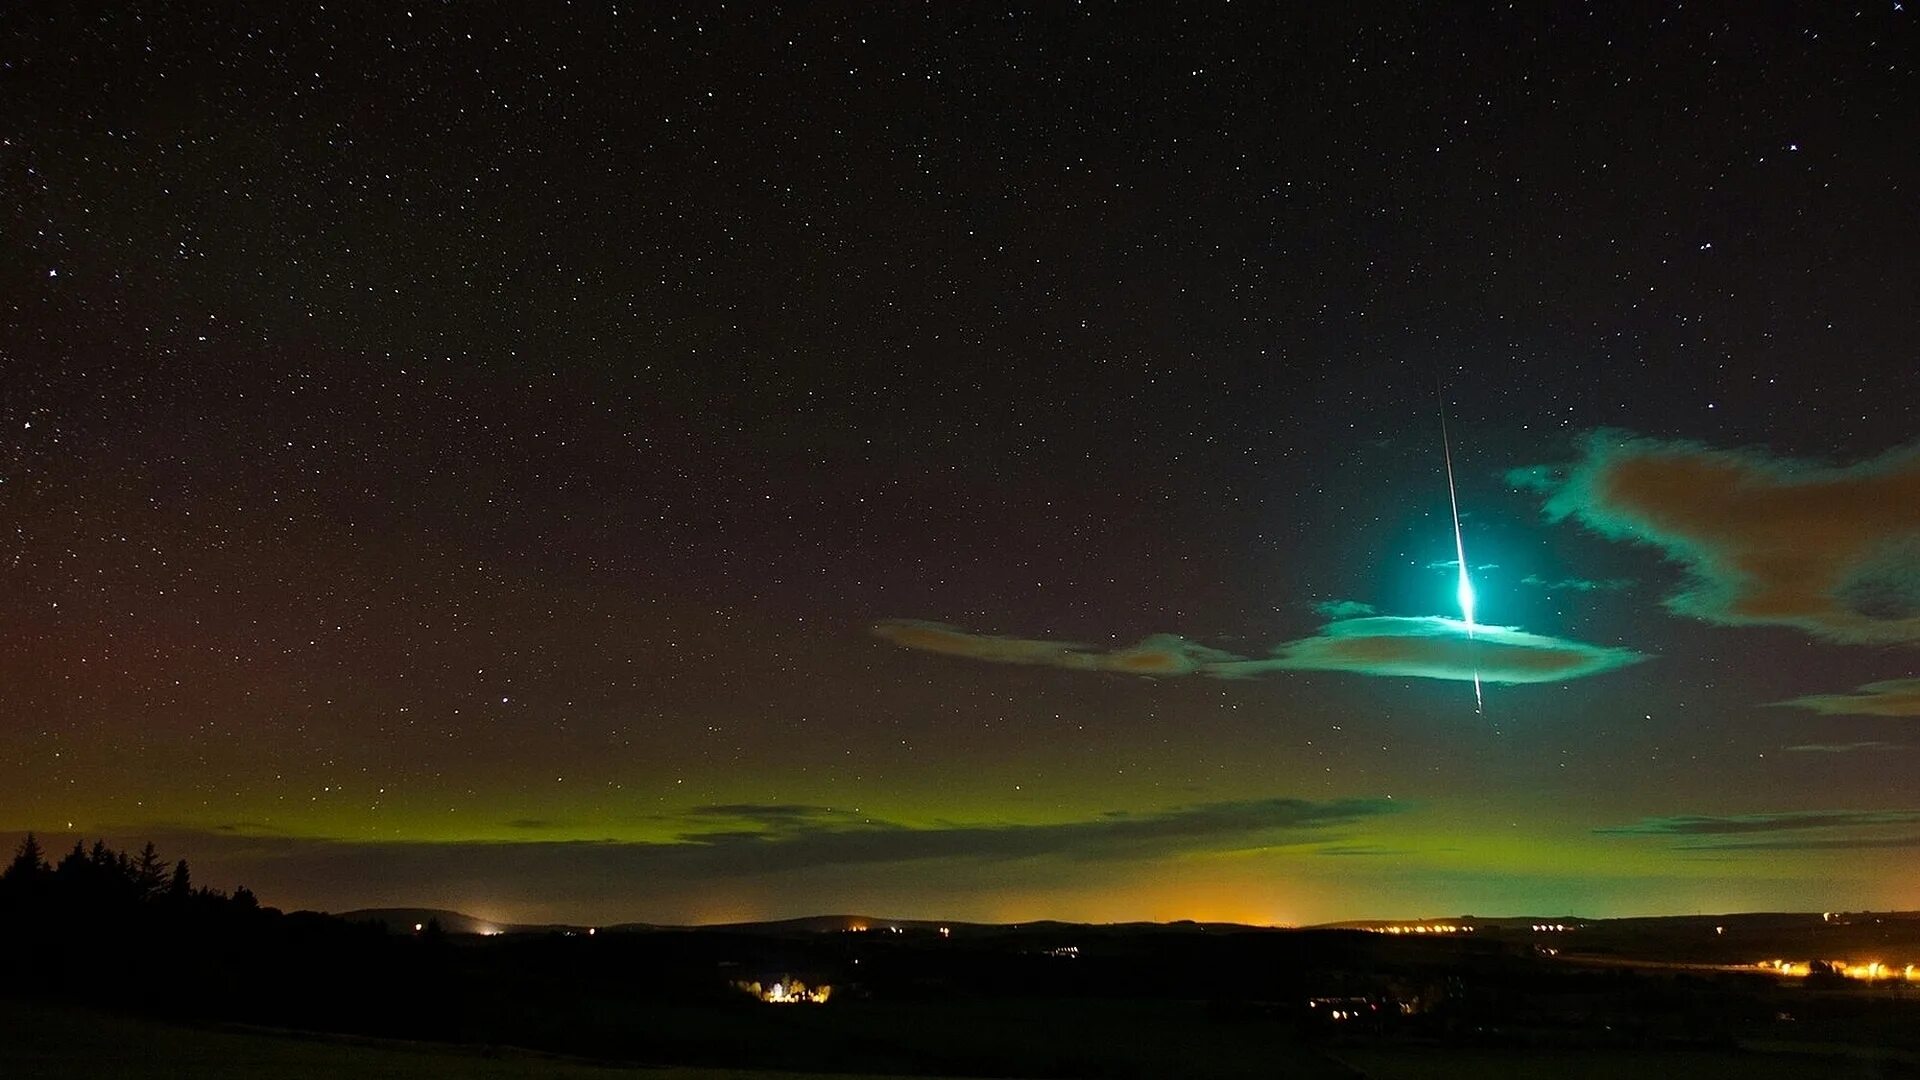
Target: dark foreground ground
57, 1041
89, 1044
189, 984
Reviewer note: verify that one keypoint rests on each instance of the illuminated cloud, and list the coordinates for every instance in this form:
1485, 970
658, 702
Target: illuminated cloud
1161, 654
1437, 648
1575, 584
1766, 541
1845, 748
1429, 648
1893, 697
1344, 609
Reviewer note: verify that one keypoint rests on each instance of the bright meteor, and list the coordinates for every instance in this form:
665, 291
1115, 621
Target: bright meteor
1465, 590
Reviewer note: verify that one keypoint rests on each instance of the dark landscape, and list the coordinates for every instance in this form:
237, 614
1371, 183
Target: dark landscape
103, 943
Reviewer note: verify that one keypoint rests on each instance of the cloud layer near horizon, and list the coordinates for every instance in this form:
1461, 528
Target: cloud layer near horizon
1384, 645
1161, 654
1798, 830
1766, 541
1890, 697
743, 850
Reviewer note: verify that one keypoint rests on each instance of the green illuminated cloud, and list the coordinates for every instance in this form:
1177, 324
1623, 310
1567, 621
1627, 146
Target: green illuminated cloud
1345, 609
1437, 648
1875, 745
1393, 646
1577, 584
1765, 540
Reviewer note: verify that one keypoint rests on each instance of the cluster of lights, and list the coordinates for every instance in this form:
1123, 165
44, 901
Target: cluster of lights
1551, 928
1425, 928
1869, 971
1354, 1008
788, 992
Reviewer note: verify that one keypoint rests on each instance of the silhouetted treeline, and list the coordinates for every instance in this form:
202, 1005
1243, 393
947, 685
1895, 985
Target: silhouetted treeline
133, 930
102, 882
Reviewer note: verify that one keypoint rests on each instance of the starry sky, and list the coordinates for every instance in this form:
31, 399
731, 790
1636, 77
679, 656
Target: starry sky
685, 463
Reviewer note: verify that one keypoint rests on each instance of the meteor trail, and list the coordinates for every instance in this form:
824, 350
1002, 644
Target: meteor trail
1465, 591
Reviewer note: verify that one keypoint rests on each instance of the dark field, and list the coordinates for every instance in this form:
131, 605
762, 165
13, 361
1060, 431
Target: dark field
1129, 1003
86, 1044
53, 1041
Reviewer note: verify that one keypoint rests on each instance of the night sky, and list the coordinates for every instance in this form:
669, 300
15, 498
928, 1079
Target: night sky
697, 463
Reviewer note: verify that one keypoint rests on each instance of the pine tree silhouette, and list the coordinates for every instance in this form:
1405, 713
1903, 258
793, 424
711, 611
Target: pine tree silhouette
28, 865
149, 873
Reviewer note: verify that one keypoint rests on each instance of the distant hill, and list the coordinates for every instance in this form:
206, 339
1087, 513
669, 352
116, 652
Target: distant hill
403, 920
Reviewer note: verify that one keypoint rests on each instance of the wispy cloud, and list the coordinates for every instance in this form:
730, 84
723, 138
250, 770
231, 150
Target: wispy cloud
1892, 697
752, 849
1834, 551
1845, 748
1811, 843
1394, 646
1735, 824
1438, 648
1343, 609
1161, 654
1349, 850
1576, 584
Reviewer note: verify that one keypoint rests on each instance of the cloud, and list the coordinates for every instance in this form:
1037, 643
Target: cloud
1161, 654
774, 847
1394, 646
779, 836
1367, 850
769, 815
1437, 648
1892, 697
1766, 541
1800, 830
755, 822
1844, 748
1574, 584
1810, 843
1793, 821
1342, 609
